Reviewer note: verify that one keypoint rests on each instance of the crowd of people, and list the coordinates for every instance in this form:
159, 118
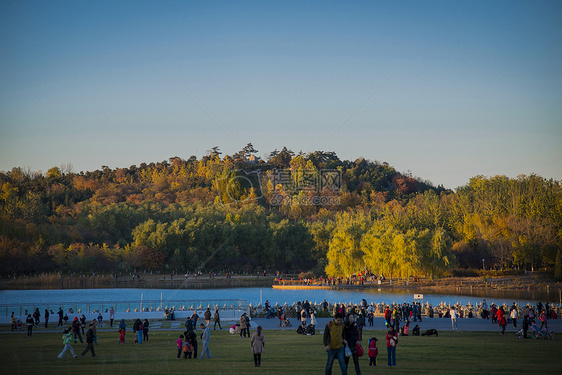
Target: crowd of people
342, 335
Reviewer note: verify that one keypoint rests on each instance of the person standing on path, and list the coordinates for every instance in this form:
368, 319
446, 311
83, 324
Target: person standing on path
258, 343
30, 322
502, 322
280, 315
391, 342
67, 340
513, 316
313, 319
13, 321
90, 342
60, 313
111, 317
453, 313
217, 320
46, 318
334, 342
205, 337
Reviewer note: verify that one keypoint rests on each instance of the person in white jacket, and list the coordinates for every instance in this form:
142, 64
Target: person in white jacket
513, 316
205, 337
453, 313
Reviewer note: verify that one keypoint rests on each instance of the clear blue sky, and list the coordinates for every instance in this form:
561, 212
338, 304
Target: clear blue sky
475, 87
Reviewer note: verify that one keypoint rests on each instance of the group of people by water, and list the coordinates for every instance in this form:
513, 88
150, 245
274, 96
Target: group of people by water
342, 336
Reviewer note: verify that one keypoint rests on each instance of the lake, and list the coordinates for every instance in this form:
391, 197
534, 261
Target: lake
131, 298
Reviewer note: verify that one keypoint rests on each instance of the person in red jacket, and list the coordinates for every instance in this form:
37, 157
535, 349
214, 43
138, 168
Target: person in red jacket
502, 321
391, 342
387, 316
373, 351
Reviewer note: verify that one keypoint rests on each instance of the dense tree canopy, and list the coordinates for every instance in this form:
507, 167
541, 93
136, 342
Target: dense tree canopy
291, 212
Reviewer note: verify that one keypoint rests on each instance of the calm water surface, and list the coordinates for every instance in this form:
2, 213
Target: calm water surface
257, 295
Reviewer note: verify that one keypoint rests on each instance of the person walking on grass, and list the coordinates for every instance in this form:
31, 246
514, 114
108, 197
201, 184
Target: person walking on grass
391, 342
67, 340
258, 343
352, 335
90, 342
95, 331
334, 343
205, 337
76, 329
217, 320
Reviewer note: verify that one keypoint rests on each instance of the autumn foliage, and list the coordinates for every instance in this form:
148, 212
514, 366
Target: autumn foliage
242, 213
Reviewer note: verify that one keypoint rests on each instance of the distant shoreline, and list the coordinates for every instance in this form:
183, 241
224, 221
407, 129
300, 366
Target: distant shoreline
472, 285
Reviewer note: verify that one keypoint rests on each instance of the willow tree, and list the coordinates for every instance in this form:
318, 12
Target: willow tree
379, 246
345, 256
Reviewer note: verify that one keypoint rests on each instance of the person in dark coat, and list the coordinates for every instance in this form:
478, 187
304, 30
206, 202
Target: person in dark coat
525, 326
60, 314
30, 322
217, 320
90, 341
76, 329
145, 330
352, 335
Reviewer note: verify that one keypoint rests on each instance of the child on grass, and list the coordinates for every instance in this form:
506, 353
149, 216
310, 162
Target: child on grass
121, 335
373, 351
179, 343
67, 340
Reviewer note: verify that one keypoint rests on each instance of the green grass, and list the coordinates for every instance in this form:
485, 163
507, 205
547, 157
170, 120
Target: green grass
286, 353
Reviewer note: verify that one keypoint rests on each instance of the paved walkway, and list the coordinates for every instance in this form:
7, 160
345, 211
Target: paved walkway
440, 324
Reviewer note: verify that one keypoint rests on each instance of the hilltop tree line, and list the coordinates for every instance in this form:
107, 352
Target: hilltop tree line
242, 213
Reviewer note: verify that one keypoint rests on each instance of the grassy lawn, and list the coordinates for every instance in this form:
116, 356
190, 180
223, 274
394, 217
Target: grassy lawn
286, 353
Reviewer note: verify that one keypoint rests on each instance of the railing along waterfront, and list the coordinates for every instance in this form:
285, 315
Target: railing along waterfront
228, 308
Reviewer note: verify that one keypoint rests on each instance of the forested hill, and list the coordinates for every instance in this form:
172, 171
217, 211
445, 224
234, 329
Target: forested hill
289, 212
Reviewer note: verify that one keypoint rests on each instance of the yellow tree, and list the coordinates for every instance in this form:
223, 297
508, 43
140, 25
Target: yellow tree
345, 256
